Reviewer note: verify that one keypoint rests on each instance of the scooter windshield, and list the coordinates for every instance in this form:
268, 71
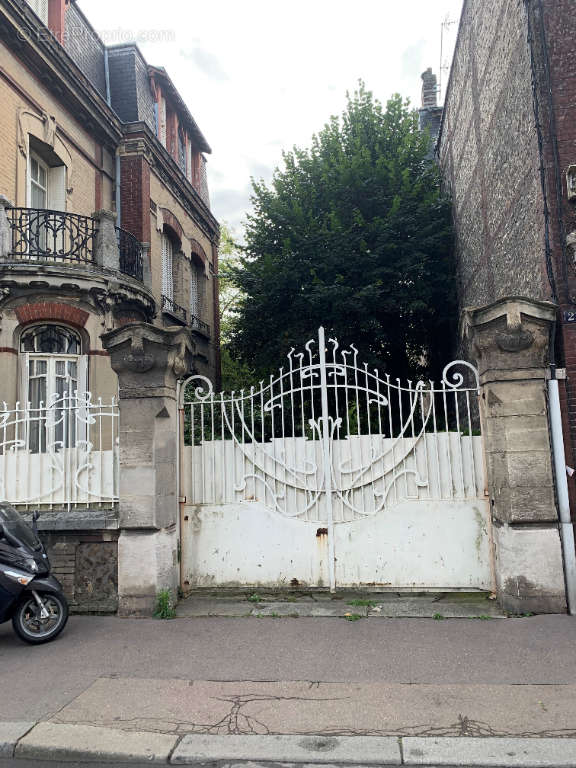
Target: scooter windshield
16, 527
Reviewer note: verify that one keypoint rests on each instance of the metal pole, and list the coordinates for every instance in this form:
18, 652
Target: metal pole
566, 529
326, 437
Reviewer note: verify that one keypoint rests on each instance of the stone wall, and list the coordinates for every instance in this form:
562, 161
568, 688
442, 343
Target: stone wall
488, 151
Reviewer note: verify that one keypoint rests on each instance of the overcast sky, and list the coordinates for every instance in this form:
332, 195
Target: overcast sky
262, 75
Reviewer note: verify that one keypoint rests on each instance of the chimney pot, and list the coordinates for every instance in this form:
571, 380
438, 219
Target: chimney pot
429, 89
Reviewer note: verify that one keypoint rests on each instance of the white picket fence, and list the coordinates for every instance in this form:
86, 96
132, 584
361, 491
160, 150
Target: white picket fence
61, 454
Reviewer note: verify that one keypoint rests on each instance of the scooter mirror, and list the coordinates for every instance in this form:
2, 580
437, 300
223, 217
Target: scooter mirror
35, 516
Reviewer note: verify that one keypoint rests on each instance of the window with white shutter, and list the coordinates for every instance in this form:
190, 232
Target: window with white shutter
40, 8
194, 292
167, 260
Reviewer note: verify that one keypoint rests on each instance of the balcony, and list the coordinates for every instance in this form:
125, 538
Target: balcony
60, 252
175, 311
40, 236
199, 326
178, 313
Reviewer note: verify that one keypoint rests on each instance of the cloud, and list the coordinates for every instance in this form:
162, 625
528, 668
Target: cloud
206, 62
260, 170
230, 204
412, 59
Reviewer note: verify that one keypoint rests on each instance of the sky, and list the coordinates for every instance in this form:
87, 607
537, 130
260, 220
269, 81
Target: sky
261, 76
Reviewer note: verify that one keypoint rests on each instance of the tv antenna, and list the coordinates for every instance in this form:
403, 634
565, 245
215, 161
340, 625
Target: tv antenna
444, 62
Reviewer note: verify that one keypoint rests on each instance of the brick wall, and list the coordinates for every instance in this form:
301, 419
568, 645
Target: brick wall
554, 29
508, 135
135, 196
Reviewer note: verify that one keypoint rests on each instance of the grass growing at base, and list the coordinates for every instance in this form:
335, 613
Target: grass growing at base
362, 602
164, 605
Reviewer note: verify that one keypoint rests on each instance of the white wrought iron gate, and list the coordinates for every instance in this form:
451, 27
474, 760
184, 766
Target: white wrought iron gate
330, 473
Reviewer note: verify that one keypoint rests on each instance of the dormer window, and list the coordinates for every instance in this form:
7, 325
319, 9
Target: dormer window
182, 150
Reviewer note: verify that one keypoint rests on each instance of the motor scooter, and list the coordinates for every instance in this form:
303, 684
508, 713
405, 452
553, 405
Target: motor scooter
29, 595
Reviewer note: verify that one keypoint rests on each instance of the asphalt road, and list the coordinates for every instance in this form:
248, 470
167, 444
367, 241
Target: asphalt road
41, 680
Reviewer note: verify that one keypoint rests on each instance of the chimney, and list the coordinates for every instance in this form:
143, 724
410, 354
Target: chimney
429, 89
57, 18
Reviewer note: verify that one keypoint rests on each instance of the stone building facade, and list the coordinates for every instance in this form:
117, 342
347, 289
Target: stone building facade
507, 149
105, 223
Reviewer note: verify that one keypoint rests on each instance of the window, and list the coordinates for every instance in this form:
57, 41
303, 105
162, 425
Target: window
162, 120
195, 294
53, 371
38, 183
181, 151
46, 177
167, 267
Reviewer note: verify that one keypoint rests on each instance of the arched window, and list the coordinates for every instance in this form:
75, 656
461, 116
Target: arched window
167, 267
196, 289
50, 339
53, 370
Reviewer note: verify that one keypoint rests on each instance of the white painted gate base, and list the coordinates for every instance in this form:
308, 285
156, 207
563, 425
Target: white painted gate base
332, 475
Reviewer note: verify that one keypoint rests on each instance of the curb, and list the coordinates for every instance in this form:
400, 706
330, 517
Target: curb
63, 743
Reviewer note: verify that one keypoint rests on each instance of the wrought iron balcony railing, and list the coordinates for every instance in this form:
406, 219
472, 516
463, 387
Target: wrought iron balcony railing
170, 307
54, 237
50, 236
200, 326
131, 262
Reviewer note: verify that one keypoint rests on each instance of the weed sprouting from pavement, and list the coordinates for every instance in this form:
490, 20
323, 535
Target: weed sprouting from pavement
164, 605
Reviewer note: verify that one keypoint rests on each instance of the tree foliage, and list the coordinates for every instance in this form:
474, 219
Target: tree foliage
353, 234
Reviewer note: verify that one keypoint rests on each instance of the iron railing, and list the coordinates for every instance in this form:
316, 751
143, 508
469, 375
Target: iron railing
40, 235
131, 262
54, 236
199, 325
170, 306
61, 453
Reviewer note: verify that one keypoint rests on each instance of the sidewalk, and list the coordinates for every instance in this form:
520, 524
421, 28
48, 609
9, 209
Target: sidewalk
348, 604
267, 688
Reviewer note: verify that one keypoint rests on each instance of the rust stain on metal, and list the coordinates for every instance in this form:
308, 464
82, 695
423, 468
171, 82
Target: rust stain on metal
322, 532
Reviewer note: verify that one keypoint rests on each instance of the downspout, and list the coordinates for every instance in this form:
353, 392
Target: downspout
107, 77
565, 521
117, 194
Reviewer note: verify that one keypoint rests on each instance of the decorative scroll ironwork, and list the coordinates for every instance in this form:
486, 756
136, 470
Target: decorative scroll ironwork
170, 306
329, 440
131, 258
42, 235
64, 453
199, 325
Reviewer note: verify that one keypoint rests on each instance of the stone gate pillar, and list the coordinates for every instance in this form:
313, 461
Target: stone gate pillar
510, 340
149, 361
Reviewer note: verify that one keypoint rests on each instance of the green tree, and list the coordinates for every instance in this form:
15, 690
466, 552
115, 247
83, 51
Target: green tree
235, 372
353, 234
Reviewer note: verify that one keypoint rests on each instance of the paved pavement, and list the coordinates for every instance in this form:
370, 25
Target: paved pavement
269, 674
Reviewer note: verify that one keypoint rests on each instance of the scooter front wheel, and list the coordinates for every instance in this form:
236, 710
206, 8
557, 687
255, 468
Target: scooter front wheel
33, 627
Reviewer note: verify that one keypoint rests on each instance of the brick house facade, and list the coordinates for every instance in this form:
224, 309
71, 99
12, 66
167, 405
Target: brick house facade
104, 221
506, 147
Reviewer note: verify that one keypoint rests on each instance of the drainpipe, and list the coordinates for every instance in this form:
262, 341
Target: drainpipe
118, 203
566, 527
107, 76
